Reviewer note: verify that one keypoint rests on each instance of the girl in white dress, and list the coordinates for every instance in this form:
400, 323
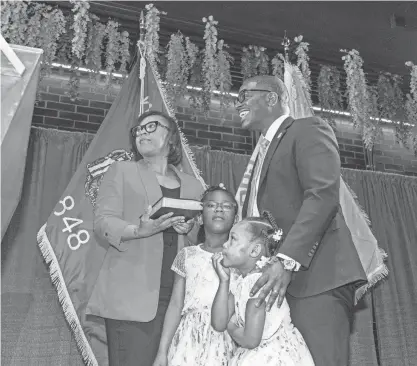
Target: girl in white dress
187, 337
265, 338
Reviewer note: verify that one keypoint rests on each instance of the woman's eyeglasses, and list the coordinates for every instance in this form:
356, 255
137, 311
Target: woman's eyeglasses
148, 127
226, 206
243, 94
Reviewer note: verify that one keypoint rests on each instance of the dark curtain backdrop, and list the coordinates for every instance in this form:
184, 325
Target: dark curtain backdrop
34, 331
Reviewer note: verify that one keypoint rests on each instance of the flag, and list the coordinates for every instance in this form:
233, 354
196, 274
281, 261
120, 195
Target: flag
371, 256
298, 92
67, 240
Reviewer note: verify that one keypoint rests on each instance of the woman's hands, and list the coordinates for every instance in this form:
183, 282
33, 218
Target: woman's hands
182, 227
222, 272
148, 227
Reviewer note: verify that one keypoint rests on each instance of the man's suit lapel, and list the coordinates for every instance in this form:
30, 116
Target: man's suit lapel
282, 130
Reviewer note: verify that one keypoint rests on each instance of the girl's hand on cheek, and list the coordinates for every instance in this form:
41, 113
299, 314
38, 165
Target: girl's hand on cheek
222, 272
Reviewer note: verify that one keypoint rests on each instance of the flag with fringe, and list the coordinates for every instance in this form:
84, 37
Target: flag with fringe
67, 240
371, 255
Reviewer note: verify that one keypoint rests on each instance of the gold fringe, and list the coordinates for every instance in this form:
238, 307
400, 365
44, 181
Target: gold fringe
373, 278
64, 298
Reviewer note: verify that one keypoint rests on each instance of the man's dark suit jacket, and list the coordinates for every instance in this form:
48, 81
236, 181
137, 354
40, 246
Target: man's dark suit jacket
299, 185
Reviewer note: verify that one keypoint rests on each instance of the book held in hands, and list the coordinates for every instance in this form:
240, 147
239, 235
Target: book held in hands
179, 206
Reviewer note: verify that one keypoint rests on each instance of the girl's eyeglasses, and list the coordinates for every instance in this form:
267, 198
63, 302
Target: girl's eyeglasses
148, 127
226, 206
243, 94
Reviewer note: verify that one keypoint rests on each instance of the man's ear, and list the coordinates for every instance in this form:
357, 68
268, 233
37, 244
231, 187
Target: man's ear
272, 99
200, 219
236, 218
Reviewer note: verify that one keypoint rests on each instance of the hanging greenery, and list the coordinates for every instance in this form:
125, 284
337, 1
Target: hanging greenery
124, 54
254, 61
152, 21
329, 92
79, 25
359, 98
411, 108
82, 40
263, 63
390, 96
303, 59
278, 65
112, 51
209, 67
224, 78
78, 32
33, 25
177, 72
246, 63
195, 63
14, 21
93, 61
76, 41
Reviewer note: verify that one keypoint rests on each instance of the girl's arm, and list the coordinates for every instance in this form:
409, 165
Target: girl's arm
173, 314
250, 335
223, 307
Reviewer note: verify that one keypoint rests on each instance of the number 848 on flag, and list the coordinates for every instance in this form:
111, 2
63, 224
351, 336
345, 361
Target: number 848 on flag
76, 239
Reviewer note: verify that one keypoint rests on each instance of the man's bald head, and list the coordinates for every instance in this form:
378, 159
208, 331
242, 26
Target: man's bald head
263, 99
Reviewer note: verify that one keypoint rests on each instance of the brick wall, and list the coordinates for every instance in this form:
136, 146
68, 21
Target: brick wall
56, 110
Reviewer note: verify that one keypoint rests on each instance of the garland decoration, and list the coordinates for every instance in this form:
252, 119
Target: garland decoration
411, 108
303, 59
359, 98
95, 37
278, 65
14, 19
78, 31
112, 51
329, 93
124, 54
263, 60
34, 24
79, 25
209, 67
177, 72
224, 78
152, 22
194, 65
390, 96
246, 63
254, 61
81, 40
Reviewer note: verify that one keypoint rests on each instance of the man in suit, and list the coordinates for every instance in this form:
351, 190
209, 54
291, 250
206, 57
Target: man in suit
296, 177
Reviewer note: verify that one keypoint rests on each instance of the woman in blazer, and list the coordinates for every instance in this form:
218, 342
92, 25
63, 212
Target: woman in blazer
134, 286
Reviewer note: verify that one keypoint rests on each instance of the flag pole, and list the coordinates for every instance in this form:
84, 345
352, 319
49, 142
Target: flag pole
286, 43
142, 61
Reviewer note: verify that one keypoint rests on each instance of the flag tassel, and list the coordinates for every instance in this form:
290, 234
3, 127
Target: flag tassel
380, 273
64, 298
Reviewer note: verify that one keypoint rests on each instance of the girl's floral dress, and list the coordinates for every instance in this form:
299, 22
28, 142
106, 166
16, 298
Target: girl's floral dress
281, 345
195, 342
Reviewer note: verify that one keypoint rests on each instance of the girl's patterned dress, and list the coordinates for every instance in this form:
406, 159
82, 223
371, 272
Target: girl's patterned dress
281, 345
195, 342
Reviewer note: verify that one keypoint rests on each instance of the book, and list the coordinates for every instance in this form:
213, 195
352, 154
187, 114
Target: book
179, 206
